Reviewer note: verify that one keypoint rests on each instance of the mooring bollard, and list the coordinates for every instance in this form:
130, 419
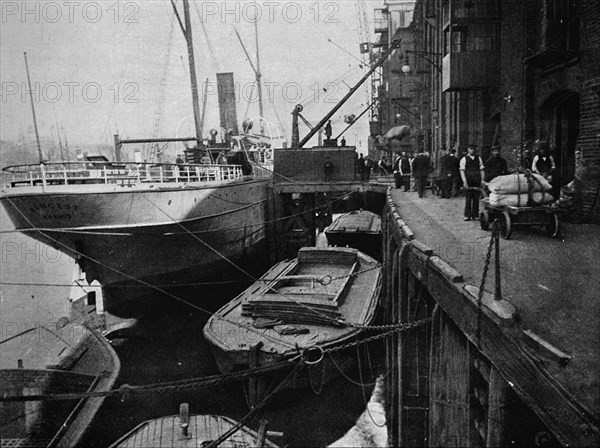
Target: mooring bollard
184, 419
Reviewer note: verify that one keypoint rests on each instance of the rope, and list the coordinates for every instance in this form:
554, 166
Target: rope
252, 413
198, 383
157, 388
166, 293
379, 425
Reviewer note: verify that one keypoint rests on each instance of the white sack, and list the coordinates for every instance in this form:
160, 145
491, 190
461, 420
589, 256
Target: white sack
517, 183
519, 200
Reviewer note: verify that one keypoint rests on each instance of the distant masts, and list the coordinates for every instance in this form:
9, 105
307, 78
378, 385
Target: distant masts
187, 32
35, 127
256, 69
258, 73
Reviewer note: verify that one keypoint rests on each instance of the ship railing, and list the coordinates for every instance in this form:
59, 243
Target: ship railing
116, 173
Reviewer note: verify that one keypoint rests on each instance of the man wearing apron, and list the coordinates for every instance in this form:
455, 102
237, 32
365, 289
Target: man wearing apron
471, 171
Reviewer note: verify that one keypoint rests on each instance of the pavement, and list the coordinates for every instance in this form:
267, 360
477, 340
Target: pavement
553, 282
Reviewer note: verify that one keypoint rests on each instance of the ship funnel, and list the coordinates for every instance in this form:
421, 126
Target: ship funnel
226, 94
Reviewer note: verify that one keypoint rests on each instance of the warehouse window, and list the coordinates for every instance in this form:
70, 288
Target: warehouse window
563, 24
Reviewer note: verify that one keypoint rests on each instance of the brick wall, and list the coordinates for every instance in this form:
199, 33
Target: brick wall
588, 141
533, 90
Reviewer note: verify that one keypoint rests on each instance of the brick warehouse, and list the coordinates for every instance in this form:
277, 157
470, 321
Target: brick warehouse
508, 72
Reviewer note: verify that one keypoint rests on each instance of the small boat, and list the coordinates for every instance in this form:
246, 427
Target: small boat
360, 229
49, 359
183, 431
306, 305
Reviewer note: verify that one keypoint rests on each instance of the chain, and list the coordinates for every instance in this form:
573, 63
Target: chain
396, 328
486, 266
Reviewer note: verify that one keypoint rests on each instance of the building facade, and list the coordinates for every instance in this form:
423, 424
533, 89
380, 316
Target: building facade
508, 73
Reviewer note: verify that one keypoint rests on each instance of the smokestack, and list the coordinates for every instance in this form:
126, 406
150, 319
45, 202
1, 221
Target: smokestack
227, 108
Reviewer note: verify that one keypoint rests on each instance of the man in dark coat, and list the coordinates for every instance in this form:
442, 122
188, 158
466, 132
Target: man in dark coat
472, 173
420, 169
445, 179
455, 173
526, 160
496, 165
360, 167
404, 166
328, 169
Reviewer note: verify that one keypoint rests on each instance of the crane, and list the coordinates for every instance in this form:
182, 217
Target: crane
296, 142
364, 39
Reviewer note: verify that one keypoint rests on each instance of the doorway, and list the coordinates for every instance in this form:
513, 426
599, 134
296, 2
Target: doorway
561, 114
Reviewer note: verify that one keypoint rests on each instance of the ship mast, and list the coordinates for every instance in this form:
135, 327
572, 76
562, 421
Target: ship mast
258, 74
187, 32
37, 135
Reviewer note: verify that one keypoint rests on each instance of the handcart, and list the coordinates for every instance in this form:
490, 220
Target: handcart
512, 216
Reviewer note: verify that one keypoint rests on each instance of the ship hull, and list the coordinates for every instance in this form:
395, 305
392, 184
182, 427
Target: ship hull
138, 240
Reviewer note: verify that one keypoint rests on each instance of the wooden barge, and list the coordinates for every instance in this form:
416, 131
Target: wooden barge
360, 229
309, 304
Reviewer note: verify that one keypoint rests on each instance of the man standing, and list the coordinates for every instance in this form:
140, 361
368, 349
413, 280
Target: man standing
496, 165
455, 173
396, 171
445, 180
328, 130
420, 169
404, 166
471, 171
328, 169
368, 166
526, 160
360, 167
543, 162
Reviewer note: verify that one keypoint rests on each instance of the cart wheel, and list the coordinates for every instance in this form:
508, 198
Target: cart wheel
484, 220
505, 226
553, 225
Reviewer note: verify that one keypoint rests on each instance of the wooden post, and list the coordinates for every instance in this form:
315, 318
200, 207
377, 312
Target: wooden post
496, 421
262, 433
255, 384
184, 419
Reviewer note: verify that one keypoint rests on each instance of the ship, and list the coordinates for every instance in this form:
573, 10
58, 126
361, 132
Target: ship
309, 306
138, 228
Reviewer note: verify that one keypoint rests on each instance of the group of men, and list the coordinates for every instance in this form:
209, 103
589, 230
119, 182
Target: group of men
418, 167
467, 172
472, 172
363, 168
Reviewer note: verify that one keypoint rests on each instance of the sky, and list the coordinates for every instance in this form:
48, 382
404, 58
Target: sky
96, 67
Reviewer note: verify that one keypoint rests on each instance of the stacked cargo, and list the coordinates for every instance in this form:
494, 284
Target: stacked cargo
520, 190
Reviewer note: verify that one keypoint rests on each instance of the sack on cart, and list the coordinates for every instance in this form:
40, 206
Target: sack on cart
520, 200
518, 183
